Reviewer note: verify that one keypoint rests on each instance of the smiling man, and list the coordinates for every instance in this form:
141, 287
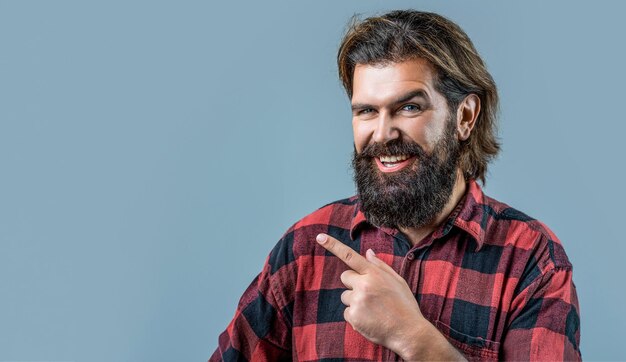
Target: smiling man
420, 264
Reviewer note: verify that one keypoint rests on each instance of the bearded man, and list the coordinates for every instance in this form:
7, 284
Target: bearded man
420, 264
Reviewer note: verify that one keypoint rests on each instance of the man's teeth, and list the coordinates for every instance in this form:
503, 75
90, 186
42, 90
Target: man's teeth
393, 159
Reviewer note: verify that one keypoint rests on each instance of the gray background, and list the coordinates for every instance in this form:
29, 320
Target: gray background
152, 153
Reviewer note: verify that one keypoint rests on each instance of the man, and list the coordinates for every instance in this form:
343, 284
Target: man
420, 265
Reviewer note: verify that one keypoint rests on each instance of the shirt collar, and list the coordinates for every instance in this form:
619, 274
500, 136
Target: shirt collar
469, 215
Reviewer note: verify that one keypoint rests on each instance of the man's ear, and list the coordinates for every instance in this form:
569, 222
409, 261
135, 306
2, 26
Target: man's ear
466, 116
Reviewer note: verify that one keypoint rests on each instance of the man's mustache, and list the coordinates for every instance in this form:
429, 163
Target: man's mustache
392, 148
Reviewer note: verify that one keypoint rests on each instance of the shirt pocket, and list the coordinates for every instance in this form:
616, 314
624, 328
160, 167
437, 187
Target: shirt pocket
473, 348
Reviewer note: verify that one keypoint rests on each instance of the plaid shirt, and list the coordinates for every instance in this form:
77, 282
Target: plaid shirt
495, 282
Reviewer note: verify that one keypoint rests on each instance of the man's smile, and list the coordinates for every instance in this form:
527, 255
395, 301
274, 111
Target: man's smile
393, 163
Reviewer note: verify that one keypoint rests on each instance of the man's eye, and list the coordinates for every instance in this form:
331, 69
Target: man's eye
366, 111
411, 108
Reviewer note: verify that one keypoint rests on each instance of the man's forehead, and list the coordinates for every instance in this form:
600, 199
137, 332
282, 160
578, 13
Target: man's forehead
390, 80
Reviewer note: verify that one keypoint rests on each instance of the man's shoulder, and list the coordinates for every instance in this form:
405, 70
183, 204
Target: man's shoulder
509, 227
334, 218
339, 213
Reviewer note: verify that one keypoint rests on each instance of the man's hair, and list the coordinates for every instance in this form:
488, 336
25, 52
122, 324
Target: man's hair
408, 34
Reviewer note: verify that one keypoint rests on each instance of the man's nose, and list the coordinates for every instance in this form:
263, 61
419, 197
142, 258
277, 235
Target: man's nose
385, 129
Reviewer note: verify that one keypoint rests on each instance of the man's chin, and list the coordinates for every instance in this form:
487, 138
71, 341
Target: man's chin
396, 204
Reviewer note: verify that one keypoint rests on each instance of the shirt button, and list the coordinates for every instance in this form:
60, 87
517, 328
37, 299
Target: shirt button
410, 256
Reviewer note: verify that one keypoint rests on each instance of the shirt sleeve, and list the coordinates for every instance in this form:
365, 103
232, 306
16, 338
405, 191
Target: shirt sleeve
545, 323
259, 330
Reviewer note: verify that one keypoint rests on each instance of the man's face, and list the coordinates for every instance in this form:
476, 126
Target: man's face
406, 148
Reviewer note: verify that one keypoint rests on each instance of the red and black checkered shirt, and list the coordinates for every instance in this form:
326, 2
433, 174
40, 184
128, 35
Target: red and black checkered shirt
494, 281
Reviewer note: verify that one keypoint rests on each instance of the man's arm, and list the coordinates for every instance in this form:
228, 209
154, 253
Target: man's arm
382, 308
259, 330
545, 323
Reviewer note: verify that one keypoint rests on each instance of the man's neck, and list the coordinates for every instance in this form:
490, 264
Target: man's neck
415, 235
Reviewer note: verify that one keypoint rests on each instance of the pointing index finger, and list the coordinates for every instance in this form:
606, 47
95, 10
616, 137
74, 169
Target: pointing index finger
350, 257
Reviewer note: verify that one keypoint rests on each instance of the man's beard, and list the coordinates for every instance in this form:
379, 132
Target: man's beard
413, 196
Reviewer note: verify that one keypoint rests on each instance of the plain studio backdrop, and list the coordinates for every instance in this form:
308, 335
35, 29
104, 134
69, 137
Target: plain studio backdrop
152, 153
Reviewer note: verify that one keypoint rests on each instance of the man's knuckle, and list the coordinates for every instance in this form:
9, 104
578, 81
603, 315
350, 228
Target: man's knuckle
342, 277
347, 314
344, 297
348, 256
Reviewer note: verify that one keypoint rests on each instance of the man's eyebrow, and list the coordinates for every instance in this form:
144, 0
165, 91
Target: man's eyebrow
401, 99
418, 93
359, 106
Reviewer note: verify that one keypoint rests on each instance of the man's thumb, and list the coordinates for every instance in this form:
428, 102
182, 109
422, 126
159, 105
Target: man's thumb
372, 258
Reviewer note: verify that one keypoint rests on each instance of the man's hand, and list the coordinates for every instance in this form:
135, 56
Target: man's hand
381, 307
